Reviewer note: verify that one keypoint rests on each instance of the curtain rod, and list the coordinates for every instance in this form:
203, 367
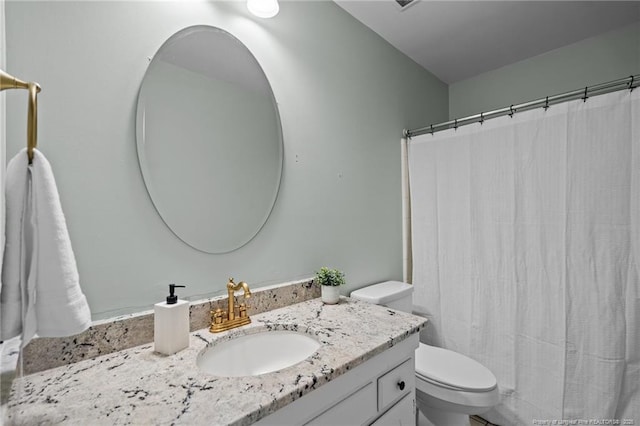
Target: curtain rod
630, 83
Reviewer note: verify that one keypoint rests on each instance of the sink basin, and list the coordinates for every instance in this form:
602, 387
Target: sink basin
255, 354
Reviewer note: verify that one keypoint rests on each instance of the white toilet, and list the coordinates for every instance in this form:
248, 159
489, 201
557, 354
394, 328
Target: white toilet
449, 385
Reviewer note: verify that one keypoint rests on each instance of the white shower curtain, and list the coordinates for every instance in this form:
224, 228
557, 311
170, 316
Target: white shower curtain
526, 254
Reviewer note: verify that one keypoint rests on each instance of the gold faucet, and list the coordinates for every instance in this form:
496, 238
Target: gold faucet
222, 321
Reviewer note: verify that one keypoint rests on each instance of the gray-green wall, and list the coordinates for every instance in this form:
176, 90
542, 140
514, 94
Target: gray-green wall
344, 97
591, 61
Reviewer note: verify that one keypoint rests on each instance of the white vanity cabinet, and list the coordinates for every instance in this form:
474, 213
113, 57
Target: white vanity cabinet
381, 391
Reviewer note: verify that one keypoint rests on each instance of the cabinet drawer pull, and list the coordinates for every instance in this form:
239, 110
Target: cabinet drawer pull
395, 384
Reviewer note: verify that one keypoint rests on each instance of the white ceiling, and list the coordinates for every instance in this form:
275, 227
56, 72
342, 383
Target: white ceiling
456, 40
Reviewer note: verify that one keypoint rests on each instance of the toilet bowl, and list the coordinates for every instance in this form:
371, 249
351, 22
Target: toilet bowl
449, 386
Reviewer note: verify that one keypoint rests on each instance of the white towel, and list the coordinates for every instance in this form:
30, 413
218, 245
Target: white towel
40, 291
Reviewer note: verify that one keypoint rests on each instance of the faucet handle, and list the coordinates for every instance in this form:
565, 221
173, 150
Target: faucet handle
217, 316
242, 310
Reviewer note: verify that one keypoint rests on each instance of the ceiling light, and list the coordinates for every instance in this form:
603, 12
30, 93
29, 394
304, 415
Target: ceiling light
263, 8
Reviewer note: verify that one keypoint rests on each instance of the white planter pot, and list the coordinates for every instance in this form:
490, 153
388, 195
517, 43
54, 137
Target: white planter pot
330, 294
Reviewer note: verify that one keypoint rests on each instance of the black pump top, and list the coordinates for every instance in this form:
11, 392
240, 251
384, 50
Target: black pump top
172, 299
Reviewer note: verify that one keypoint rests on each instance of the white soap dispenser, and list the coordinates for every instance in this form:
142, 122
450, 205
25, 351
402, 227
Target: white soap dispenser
171, 324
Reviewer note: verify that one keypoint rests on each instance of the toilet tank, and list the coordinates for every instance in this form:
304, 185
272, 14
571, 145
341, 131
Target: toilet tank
392, 294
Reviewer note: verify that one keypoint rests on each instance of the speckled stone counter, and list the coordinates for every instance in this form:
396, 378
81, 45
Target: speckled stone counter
139, 387
125, 332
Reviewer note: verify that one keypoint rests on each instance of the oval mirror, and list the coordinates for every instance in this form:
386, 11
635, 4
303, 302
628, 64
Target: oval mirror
209, 139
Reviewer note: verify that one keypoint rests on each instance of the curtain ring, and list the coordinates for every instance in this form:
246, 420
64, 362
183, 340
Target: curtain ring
585, 97
631, 84
481, 118
512, 111
546, 104
455, 124
432, 130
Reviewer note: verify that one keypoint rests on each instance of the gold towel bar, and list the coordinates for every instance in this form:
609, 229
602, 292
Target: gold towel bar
8, 81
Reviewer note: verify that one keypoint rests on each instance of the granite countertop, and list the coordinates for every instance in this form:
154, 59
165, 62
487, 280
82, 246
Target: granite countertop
138, 386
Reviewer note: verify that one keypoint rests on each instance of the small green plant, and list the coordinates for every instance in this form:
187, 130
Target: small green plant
329, 277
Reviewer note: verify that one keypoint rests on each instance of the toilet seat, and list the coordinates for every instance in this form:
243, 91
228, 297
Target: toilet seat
452, 382
451, 370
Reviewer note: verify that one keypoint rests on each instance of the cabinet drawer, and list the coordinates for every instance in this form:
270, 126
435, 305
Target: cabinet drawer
396, 383
355, 409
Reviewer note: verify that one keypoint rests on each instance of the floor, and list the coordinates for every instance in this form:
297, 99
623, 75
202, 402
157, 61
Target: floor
479, 421
473, 421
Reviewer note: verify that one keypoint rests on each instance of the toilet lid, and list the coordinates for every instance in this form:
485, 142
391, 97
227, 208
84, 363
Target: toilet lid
382, 293
453, 369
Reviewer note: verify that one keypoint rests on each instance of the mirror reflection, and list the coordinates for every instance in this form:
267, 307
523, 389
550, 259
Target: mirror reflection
209, 139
